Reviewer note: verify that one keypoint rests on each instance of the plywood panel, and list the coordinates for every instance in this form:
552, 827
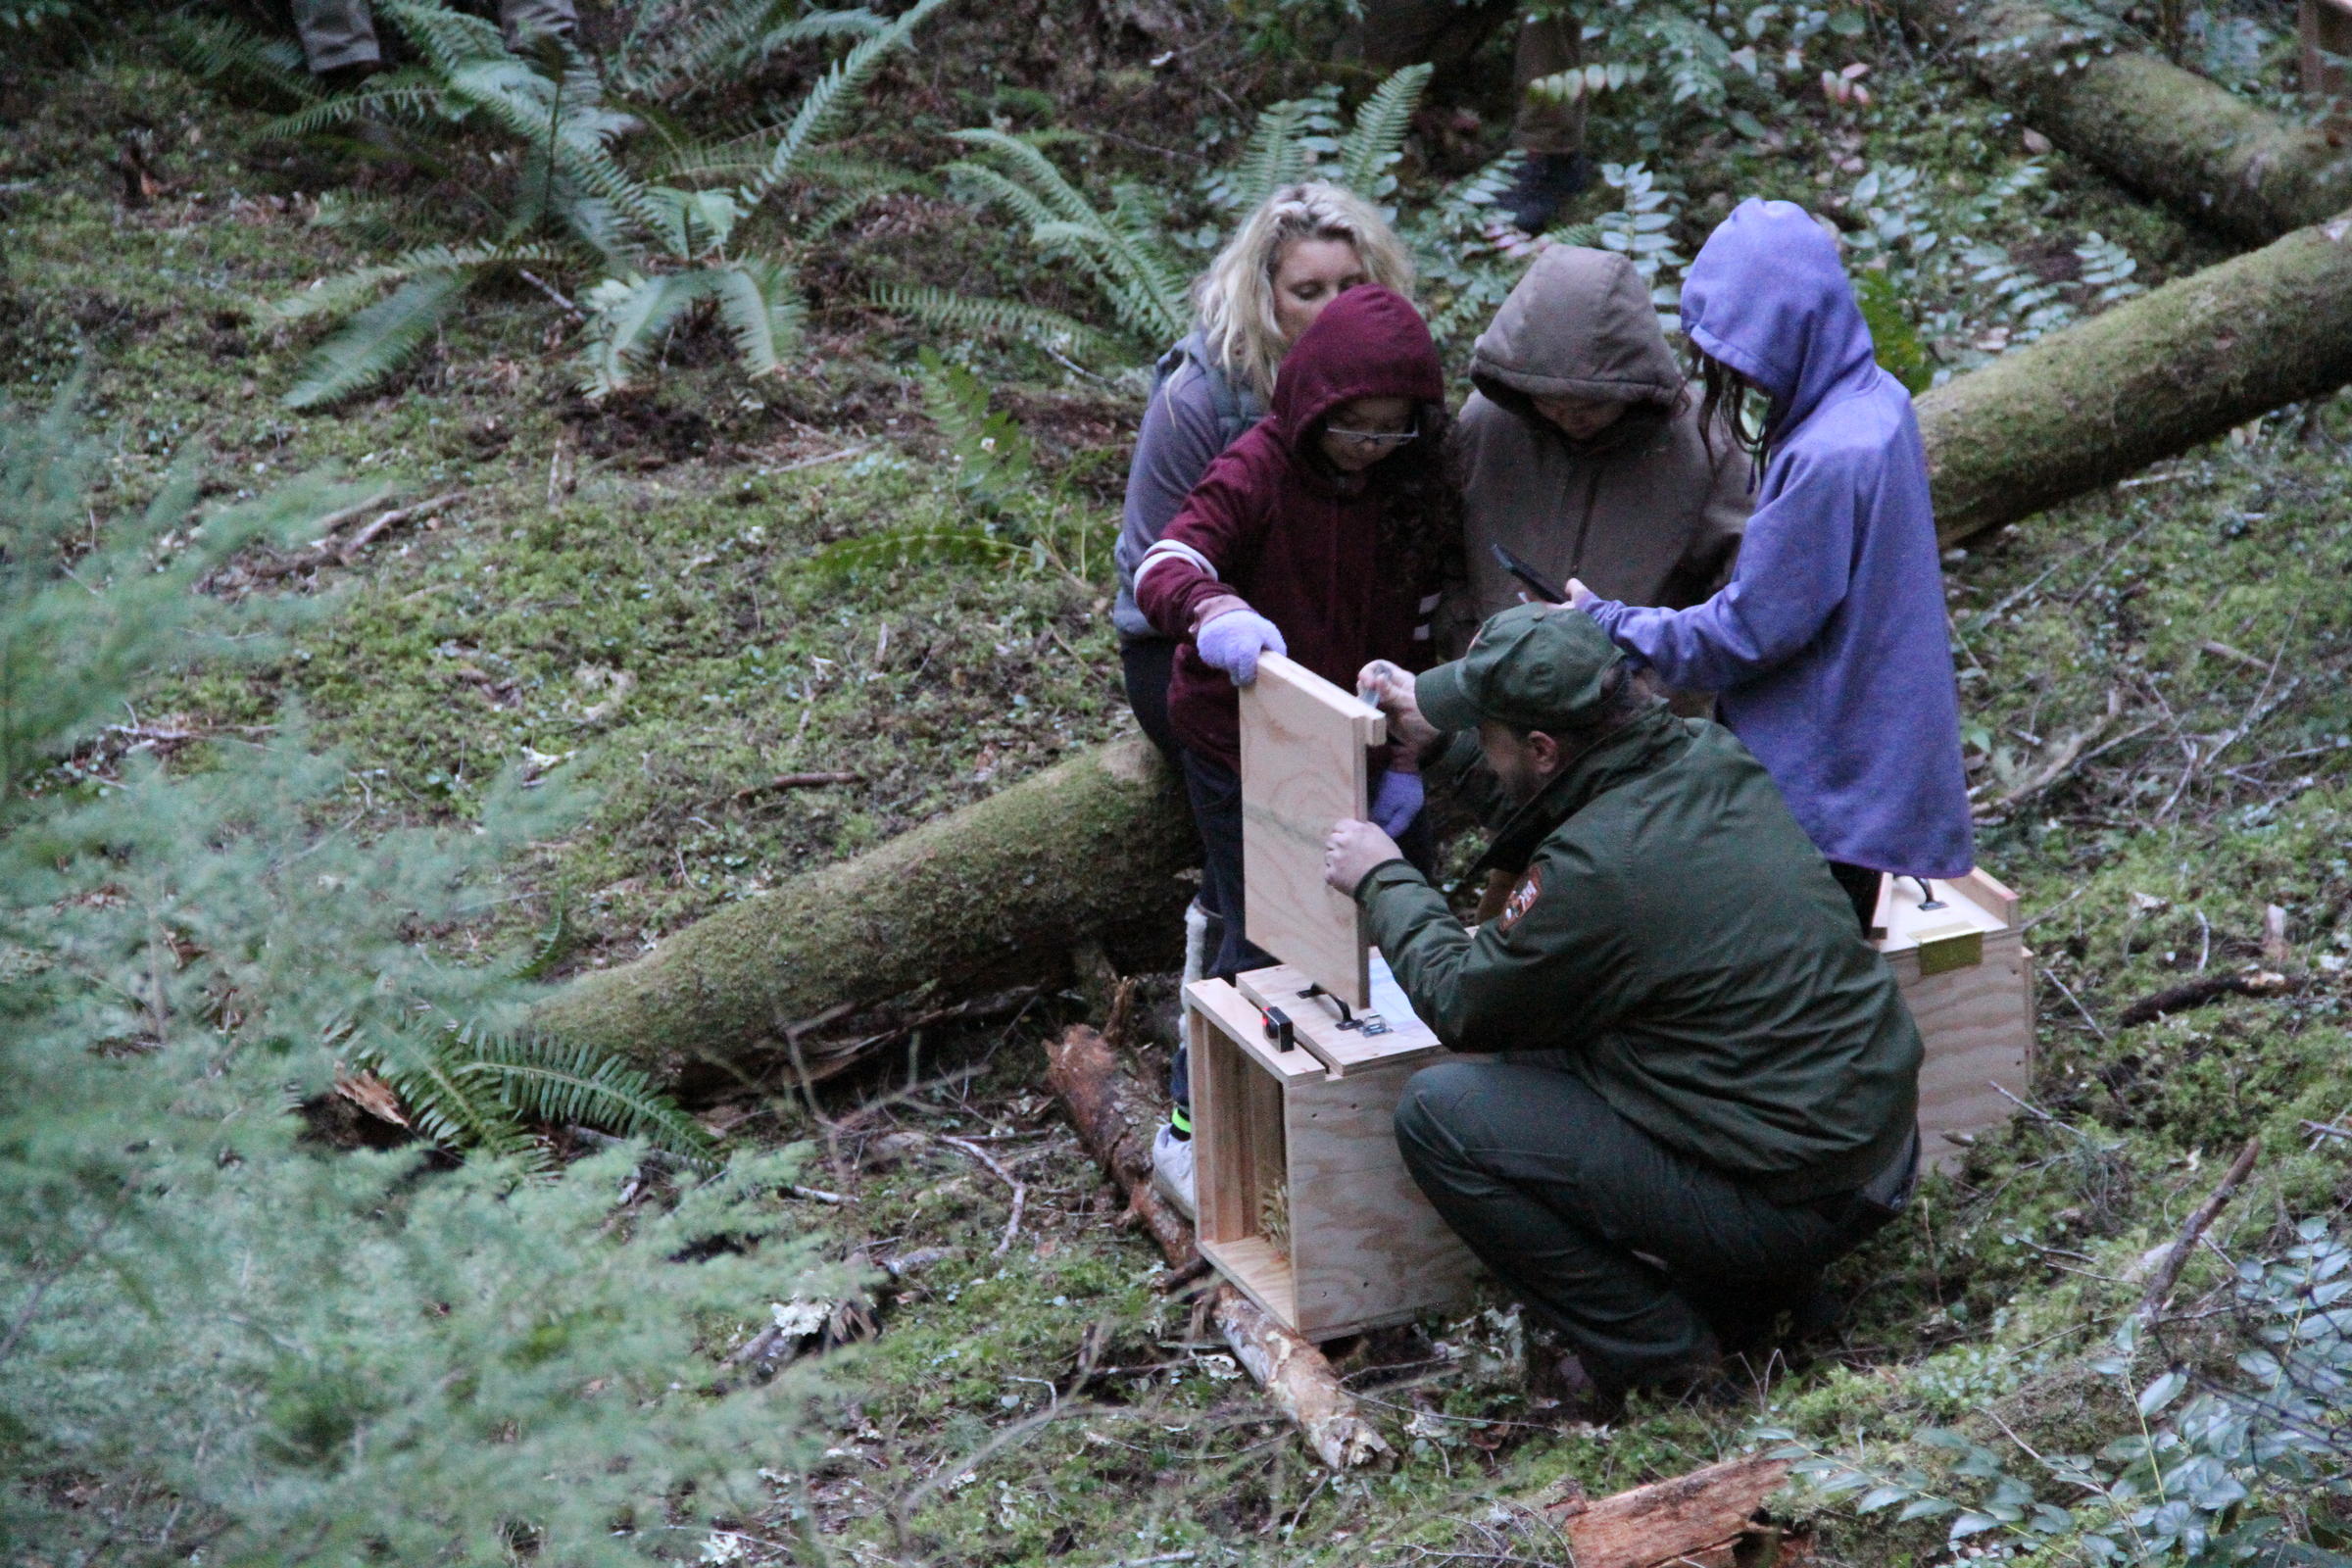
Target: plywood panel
1368, 1248
1261, 1272
1303, 768
1978, 1026
1317, 1022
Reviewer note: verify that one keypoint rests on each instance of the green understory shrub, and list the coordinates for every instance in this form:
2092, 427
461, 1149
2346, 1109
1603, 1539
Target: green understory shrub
2240, 1466
221, 1340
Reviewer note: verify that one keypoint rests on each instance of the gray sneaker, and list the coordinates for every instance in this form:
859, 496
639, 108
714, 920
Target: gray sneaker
1172, 1170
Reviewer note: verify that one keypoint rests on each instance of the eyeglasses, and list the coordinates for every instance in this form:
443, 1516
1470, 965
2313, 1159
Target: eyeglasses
1373, 438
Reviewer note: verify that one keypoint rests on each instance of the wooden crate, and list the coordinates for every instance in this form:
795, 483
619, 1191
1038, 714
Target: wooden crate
1968, 978
1313, 1129
2325, 29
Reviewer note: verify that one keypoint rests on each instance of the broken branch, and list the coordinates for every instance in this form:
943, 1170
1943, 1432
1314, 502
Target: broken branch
2203, 989
2168, 1273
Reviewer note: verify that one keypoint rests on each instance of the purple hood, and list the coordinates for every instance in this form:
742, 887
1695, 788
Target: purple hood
1769, 298
1829, 644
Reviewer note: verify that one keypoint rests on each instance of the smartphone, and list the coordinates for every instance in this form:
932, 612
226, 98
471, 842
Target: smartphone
1529, 576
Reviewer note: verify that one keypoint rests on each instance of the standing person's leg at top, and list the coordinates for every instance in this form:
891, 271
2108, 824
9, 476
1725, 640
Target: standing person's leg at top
1549, 128
338, 36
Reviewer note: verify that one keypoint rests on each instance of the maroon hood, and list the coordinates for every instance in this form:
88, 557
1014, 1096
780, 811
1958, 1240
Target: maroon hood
1368, 343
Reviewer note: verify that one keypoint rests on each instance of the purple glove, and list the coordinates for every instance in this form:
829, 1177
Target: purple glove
1233, 641
1396, 801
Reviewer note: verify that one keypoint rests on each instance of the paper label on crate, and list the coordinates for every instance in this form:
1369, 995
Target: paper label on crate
1388, 996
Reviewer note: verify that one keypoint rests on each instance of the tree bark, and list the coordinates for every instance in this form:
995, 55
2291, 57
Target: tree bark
1005, 887
1115, 1119
1706, 1516
2151, 378
2164, 131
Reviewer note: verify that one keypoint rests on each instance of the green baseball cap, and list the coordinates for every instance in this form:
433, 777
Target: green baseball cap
1533, 666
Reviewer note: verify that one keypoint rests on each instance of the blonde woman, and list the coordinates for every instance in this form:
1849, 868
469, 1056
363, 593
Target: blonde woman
1301, 249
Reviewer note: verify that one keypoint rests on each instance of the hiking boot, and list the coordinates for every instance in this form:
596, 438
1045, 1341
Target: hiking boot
1546, 181
1571, 1391
1172, 1170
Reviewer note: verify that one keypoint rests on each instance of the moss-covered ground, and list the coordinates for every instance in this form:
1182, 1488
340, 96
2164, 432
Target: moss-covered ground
633, 595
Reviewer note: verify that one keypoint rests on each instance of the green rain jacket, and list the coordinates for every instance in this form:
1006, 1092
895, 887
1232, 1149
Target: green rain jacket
1678, 942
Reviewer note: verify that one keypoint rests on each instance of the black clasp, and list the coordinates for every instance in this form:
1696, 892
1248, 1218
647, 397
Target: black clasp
1279, 1030
1346, 1018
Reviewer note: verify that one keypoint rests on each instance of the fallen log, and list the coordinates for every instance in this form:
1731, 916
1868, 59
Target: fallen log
1708, 1517
2151, 378
1115, 1119
1005, 886
2166, 132
1001, 890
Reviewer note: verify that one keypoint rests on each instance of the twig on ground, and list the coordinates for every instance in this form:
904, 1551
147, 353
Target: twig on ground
2275, 951
2051, 975
397, 515
795, 782
1200, 1269
552, 292
2168, 1272
825, 457
1021, 1194
2205, 988
817, 1195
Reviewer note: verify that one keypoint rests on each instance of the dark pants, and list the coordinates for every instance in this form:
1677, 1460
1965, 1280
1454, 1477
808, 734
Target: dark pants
1555, 1191
1861, 885
336, 33
1448, 32
1146, 666
1215, 792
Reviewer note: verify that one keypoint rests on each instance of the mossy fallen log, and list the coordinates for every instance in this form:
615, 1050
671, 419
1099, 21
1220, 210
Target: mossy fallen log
999, 891
2166, 132
2154, 376
1004, 887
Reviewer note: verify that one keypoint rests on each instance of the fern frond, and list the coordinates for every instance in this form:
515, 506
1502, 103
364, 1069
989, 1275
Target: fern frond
217, 47
568, 1083
760, 305
1376, 141
958, 312
449, 1105
734, 37
555, 941
1051, 195
410, 93
1272, 160
912, 545
835, 91
629, 316
446, 38
540, 114
1145, 295
994, 185
343, 292
374, 343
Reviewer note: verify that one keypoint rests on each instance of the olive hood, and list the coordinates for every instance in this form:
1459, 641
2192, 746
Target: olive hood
1578, 324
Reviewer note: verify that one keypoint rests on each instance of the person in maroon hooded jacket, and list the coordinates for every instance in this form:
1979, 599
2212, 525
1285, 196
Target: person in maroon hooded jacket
1324, 533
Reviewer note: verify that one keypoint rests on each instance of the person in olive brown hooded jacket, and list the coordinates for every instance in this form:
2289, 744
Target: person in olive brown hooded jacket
1581, 450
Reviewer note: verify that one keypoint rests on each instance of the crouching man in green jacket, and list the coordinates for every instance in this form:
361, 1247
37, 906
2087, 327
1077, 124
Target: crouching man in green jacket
1705, 1084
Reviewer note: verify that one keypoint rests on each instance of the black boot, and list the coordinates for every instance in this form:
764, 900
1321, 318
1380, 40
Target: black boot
1544, 181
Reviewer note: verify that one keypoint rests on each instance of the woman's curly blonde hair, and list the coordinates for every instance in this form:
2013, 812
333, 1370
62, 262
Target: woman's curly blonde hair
1235, 297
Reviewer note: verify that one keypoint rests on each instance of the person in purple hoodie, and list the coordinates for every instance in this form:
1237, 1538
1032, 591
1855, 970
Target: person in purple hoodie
1829, 646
